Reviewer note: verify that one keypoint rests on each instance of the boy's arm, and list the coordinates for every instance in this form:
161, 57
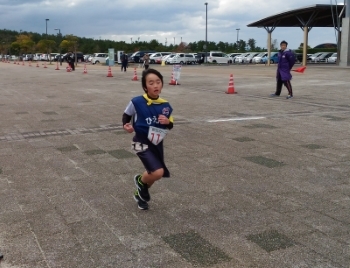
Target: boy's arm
126, 118
128, 113
170, 125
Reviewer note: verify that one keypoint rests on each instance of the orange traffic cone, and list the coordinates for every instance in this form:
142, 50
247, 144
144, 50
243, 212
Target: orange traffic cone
135, 76
68, 68
30, 64
37, 65
85, 70
300, 69
109, 72
173, 82
231, 88
14, 62
17, 62
57, 68
45, 64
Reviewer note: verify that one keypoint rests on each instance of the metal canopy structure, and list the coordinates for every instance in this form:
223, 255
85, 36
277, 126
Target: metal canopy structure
306, 18
311, 16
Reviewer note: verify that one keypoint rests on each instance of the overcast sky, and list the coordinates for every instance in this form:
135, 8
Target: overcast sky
158, 19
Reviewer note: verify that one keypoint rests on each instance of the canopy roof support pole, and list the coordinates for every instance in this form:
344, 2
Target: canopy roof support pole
269, 36
306, 43
306, 28
344, 57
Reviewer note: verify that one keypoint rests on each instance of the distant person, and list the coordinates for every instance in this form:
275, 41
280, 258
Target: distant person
124, 59
70, 59
202, 58
286, 61
146, 61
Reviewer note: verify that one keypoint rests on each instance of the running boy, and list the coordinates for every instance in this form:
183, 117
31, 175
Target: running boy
151, 121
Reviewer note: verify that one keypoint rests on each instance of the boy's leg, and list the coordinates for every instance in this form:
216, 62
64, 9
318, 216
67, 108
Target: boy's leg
279, 85
146, 181
150, 178
288, 85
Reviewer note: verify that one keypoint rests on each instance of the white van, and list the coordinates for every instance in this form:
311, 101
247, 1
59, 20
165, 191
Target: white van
99, 58
218, 57
37, 56
181, 58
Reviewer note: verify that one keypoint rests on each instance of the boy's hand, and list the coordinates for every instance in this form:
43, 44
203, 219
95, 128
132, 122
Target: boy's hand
128, 127
163, 120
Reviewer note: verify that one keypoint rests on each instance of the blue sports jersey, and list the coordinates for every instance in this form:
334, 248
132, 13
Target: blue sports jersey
148, 112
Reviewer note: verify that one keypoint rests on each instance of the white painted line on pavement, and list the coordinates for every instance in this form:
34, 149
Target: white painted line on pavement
236, 119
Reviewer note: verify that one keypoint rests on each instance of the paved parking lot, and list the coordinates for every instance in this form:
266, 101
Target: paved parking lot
255, 181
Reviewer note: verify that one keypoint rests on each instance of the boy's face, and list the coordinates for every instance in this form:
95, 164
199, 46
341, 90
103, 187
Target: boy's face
153, 85
283, 46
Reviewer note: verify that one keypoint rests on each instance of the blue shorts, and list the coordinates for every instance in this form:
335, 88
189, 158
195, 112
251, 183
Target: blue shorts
152, 158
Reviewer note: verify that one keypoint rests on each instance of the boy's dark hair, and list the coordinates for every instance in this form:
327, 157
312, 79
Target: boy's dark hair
284, 42
147, 72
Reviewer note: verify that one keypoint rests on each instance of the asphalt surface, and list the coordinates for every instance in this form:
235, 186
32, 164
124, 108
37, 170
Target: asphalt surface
255, 181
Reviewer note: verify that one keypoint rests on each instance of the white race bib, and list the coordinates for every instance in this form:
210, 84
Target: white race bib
156, 135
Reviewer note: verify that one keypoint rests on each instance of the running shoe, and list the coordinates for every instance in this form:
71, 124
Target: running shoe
140, 203
142, 188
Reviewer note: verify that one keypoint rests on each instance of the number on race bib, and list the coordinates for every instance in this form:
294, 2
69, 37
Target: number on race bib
156, 135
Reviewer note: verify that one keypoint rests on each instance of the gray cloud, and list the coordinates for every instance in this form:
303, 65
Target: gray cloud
155, 19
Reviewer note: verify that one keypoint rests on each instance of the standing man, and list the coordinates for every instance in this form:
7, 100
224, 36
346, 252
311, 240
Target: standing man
70, 59
286, 62
124, 59
146, 61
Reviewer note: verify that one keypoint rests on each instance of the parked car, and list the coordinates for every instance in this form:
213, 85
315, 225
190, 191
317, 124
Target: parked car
218, 57
333, 58
179, 58
157, 56
257, 58
87, 57
323, 57
164, 58
138, 55
37, 56
191, 59
80, 57
239, 58
273, 58
232, 56
99, 58
249, 58
314, 56
27, 57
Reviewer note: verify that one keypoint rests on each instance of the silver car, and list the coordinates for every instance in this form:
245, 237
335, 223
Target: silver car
333, 58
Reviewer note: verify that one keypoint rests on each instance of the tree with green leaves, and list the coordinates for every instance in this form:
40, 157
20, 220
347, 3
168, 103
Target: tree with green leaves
252, 44
23, 44
70, 43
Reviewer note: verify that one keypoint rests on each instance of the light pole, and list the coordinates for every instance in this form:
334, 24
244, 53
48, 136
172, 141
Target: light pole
166, 41
174, 41
46, 27
181, 40
131, 40
47, 47
206, 30
19, 53
59, 47
237, 36
138, 39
